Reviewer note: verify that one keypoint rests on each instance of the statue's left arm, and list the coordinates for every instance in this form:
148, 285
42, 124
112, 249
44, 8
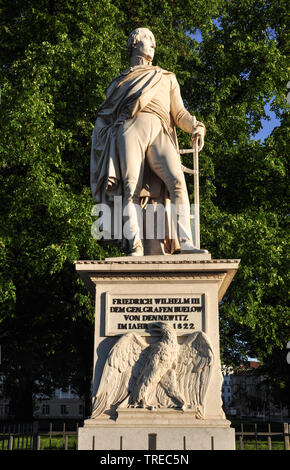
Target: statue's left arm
182, 117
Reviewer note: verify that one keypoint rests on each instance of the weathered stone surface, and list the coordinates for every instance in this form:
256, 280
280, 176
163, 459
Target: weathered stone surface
174, 431
163, 374
135, 154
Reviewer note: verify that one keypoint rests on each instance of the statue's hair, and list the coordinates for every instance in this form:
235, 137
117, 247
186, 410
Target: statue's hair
134, 37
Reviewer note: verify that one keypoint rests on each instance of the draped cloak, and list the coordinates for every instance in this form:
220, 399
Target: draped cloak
128, 94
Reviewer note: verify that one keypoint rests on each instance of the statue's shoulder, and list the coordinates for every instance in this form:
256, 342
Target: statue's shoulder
145, 68
137, 71
171, 77
140, 68
166, 72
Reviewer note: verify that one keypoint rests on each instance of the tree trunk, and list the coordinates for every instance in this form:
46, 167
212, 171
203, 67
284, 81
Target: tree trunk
23, 405
88, 399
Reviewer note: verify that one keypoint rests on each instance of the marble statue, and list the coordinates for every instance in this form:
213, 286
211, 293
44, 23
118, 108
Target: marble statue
164, 374
134, 146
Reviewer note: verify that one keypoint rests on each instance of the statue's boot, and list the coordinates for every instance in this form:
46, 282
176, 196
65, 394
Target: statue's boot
137, 250
187, 248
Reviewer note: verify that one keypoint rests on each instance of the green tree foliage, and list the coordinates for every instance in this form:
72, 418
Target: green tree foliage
57, 58
276, 377
56, 61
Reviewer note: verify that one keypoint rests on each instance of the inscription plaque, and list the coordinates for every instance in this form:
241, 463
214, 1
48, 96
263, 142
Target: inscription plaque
133, 312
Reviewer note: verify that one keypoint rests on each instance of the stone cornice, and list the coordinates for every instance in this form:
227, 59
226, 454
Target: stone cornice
158, 268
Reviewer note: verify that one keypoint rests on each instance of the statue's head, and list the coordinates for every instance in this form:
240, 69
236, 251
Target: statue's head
141, 42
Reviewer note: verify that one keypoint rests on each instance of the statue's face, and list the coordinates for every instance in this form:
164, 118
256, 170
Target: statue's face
145, 46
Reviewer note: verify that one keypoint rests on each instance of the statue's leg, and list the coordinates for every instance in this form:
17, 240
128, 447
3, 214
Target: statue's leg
132, 141
164, 160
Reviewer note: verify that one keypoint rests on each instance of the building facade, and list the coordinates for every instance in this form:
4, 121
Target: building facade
246, 394
63, 404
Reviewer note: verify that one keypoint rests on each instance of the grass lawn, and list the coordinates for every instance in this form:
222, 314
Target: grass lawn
46, 443
57, 443
251, 444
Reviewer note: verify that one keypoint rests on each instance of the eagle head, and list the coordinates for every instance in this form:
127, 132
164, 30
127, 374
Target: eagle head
160, 329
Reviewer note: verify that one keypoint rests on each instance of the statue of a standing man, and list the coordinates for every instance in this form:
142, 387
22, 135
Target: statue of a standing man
134, 144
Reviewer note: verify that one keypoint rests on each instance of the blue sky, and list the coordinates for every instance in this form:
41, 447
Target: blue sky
267, 126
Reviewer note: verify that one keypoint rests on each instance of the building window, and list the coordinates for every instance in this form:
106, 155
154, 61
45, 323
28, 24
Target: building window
45, 410
64, 409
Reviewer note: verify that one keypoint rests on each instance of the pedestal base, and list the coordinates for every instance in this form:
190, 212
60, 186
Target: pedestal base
137, 429
183, 291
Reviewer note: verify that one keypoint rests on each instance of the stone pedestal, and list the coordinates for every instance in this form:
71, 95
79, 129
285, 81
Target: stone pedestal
189, 289
137, 429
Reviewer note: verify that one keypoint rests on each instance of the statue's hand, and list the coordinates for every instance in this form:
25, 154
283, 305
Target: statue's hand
199, 134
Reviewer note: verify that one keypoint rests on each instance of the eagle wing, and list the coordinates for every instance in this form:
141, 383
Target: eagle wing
118, 372
194, 368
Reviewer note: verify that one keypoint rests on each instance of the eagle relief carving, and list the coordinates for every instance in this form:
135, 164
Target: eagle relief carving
164, 374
